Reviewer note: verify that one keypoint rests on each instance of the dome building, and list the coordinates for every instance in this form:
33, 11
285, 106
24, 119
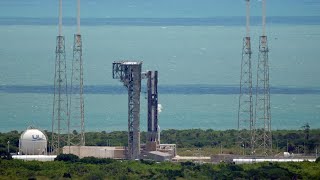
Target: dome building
33, 142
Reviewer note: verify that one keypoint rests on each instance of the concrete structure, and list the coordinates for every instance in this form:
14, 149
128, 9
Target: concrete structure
168, 148
191, 158
165, 152
158, 156
243, 161
96, 151
33, 142
35, 157
217, 158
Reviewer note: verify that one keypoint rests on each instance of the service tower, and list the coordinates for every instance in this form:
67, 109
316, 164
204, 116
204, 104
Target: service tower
130, 74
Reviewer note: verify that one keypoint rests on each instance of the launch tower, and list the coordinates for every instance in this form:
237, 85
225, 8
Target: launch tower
130, 74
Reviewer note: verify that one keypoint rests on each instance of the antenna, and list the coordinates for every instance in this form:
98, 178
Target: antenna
248, 18
60, 17
263, 17
78, 17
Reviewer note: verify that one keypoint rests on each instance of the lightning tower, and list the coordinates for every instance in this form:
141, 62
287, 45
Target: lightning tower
262, 123
245, 109
60, 100
76, 134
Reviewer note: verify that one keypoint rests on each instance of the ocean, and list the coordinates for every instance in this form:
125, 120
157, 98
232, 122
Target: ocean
198, 59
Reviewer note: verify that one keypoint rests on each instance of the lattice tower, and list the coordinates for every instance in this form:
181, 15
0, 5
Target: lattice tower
245, 109
60, 100
76, 122
76, 116
262, 123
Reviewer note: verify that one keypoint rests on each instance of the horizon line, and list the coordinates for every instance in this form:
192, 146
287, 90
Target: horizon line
163, 21
191, 89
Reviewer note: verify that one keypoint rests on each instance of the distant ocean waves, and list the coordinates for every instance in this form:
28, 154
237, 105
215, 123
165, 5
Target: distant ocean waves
214, 21
164, 89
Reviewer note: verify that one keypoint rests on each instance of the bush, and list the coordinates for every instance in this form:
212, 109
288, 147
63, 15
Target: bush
67, 158
66, 175
94, 160
95, 175
318, 160
148, 162
4, 154
187, 164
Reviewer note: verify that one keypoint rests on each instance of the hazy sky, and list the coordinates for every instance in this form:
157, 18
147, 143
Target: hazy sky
157, 8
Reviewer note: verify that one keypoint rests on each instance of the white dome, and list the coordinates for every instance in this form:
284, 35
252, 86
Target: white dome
33, 142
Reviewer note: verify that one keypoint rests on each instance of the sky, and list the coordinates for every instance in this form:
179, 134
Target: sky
157, 8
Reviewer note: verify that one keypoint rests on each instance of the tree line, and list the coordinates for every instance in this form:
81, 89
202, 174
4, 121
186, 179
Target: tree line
68, 166
305, 140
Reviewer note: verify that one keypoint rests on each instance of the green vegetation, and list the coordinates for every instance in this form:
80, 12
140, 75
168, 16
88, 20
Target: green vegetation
190, 141
93, 168
67, 158
87, 160
13, 138
213, 141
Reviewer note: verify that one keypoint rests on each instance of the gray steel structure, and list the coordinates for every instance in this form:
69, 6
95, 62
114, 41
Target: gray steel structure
152, 88
262, 122
60, 97
130, 74
76, 129
245, 109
